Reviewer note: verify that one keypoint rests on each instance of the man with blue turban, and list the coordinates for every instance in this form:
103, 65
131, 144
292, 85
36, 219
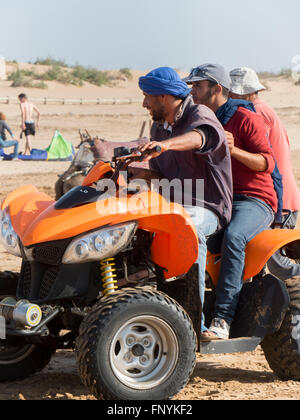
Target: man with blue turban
193, 148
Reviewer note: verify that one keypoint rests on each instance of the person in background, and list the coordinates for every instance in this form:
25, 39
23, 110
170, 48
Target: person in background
255, 202
28, 125
246, 85
4, 143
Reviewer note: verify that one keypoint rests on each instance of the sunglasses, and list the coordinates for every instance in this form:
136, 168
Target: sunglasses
196, 72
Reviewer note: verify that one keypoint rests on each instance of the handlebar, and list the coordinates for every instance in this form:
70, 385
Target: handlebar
150, 152
124, 160
136, 156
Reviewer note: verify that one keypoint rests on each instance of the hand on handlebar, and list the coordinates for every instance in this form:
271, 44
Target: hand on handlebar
152, 150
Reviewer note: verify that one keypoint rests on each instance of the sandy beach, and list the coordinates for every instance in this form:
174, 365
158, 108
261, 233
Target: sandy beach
241, 376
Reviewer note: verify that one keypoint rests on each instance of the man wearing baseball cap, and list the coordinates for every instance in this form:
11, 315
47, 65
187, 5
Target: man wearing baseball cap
246, 85
255, 200
193, 147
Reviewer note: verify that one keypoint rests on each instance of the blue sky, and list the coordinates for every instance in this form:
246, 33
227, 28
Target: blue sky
143, 34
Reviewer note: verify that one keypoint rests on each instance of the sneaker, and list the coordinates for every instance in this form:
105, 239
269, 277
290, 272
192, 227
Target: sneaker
220, 330
1, 158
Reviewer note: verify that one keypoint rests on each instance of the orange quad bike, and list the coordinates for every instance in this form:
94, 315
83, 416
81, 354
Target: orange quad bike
113, 276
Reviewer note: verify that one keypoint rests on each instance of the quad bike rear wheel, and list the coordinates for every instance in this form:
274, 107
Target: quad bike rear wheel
137, 345
282, 350
18, 360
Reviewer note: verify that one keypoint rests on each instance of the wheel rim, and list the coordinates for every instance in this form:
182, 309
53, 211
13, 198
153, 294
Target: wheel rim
144, 352
11, 353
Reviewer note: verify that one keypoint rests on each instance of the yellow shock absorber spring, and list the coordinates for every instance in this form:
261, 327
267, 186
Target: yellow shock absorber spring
108, 276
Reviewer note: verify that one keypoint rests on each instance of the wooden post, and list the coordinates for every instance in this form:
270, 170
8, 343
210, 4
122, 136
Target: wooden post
142, 132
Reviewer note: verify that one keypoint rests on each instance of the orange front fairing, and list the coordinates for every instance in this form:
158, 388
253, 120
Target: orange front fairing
258, 252
96, 173
25, 205
175, 247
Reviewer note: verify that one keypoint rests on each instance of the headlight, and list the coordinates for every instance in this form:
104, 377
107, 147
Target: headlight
9, 238
99, 245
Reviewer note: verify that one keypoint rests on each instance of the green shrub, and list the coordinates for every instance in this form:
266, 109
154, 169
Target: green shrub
25, 78
285, 73
90, 75
19, 79
49, 61
126, 72
75, 75
40, 85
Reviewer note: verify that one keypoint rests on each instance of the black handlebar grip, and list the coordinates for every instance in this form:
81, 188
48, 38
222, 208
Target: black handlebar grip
157, 149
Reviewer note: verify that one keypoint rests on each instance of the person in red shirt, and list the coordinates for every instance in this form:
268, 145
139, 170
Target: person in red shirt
246, 86
255, 200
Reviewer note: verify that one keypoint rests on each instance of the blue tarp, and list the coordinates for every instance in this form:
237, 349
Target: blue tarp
36, 155
60, 150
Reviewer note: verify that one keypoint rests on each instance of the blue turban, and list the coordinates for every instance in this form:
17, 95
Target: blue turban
164, 81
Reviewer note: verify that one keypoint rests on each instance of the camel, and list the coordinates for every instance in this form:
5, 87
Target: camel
90, 151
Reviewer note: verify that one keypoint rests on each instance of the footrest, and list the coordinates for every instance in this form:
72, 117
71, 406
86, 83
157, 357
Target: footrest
238, 345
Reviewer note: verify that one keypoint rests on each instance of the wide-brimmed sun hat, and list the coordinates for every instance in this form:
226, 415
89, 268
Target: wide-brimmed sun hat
245, 81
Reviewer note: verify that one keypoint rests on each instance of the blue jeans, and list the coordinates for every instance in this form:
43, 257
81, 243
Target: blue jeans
282, 267
250, 217
10, 143
206, 223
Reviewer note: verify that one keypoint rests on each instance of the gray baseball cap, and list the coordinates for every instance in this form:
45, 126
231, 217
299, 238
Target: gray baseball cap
212, 72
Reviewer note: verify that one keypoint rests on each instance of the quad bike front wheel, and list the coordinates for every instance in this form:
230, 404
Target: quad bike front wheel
282, 350
18, 360
137, 345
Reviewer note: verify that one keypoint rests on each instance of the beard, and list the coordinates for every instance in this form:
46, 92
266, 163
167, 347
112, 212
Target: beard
158, 114
205, 100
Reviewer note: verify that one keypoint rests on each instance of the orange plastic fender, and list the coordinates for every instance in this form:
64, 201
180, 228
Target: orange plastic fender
17, 194
175, 246
97, 172
263, 246
258, 252
25, 204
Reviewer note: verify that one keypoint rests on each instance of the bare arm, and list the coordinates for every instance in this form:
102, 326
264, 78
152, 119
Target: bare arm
253, 161
257, 163
6, 127
189, 141
36, 110
23, 117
